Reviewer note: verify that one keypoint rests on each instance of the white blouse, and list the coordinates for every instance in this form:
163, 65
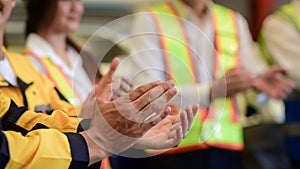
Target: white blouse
76, 73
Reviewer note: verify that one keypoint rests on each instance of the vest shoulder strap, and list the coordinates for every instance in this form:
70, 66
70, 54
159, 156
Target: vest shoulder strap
288, 13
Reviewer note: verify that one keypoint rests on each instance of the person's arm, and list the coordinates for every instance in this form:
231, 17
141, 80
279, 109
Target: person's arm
115, 128
269, 80
45, 148
129, 117
282, 42
23, 120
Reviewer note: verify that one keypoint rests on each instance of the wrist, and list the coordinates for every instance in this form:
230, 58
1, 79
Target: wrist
256, 83
96, 153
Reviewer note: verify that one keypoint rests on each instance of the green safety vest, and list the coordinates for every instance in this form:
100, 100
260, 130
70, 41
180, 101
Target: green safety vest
220, 127
287, 13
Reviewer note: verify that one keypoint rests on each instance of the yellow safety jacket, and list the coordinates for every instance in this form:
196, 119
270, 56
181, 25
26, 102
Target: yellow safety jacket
38, 94
58, 78
43, 148
219, 126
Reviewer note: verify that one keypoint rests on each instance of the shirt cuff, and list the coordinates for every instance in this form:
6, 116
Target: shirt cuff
79, 151
14, 112
84, 125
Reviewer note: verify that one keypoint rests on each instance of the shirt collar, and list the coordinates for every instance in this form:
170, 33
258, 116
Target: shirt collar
42, 48
18, 75
187, 12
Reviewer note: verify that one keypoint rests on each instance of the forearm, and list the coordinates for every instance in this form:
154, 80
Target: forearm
22, 120
41, 147
275, 32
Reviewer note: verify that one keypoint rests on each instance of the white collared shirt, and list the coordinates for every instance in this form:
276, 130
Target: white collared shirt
76, 73
7, 72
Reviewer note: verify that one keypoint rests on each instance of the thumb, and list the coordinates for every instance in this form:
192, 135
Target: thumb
103, 89
106, 93
116, 84
107, 78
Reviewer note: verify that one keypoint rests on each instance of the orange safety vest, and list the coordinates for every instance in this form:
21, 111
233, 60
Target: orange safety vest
221, 127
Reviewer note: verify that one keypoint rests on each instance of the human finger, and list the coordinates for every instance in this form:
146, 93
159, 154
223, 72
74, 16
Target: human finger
155, 106
107, 78
150, 96
138, 92
184, 121
125, 84
147, 125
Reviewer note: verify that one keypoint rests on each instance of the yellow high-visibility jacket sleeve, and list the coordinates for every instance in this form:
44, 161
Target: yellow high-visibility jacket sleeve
45, 148
22, 120
57, 120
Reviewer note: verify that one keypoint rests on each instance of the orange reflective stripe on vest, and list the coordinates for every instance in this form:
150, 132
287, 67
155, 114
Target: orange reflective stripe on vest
223, 114
58, 77
178, 57
223, 129
174, 43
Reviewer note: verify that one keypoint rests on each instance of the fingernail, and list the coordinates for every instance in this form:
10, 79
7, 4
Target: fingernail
124, 78
168, 110
171, 83
173, 91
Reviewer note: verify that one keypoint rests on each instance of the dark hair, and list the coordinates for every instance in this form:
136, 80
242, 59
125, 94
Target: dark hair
40, 13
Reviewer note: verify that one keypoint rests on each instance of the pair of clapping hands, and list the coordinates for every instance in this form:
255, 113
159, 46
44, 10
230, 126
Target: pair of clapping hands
141, 118
272, 82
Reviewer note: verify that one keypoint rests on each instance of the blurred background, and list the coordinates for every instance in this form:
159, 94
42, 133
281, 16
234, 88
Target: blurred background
100, 12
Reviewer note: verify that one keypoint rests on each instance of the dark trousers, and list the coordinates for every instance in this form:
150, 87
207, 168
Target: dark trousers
212, 158
293, 141
265, 148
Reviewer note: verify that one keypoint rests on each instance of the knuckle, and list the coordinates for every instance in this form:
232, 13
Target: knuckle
137, 92
165, 86
140, 90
